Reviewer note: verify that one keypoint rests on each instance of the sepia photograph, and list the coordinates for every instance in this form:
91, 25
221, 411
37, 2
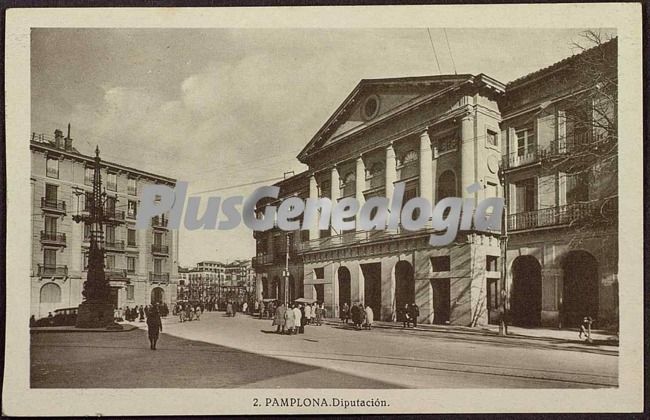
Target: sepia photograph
320, 219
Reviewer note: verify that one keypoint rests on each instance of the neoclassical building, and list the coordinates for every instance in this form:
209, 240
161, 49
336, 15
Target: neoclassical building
437, 135
440, 135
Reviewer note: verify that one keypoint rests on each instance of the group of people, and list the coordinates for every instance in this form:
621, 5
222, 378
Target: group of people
141, 312
232, 307
362, 317
293, 319
409, 315
187, 311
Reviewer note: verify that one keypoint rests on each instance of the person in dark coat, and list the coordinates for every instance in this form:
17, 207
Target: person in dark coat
354, 312
414, 313
154, 325
141, 311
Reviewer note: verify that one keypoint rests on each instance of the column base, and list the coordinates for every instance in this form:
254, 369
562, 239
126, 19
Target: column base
95, 315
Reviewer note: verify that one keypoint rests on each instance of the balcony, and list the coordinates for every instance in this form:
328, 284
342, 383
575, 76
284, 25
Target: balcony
53, 205
114, 245
159, 222
115, 273
262, 260
117, 215
160, 249
47, 270
53, 238
161, 278
408, 170
562, 215
564, 145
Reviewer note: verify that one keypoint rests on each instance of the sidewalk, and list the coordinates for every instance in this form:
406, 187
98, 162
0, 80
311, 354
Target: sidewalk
601, 340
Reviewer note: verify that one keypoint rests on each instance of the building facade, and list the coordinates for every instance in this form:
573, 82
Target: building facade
440, 135
141, 265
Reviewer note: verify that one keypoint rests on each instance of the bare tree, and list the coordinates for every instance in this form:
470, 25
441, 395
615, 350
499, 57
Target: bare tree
587, 147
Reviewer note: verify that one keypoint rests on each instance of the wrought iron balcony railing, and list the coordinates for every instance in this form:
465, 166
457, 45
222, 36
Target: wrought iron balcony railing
162, 278
565, 145
53, 237
159, 222
160, 249
115, 214
562, 215
119, 273
261, 260
114, 245
47, 270
53, 205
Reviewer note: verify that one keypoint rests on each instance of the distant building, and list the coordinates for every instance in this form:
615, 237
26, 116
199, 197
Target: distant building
140, 264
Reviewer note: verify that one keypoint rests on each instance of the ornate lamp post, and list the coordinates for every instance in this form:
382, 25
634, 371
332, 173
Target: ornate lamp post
96, 310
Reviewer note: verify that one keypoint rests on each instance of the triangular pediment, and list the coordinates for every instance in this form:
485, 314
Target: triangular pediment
374, 100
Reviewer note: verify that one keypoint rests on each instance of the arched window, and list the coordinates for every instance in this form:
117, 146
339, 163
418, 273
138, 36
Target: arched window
446, 185
50, 293
409, 157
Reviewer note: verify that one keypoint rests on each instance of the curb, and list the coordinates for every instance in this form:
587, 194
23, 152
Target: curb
553, 341
49, 330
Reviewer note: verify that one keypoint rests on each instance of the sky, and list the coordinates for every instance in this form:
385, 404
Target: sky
223, 107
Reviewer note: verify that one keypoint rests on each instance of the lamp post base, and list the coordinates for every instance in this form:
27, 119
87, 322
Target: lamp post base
95, 315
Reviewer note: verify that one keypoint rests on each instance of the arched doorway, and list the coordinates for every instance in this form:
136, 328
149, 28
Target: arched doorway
580, 291
345, 286
526, 293
157, 295
404, 284
50, 298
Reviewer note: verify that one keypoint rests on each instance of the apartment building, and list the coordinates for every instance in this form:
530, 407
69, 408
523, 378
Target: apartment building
141, 264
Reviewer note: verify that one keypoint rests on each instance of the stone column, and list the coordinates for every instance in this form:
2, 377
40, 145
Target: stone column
426, 175
360, 184
467, 146
335, 190
314, 233
390, 172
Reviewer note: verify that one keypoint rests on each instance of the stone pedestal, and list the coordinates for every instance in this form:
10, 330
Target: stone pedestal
95, 315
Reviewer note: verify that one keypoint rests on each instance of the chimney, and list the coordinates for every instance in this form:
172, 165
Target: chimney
58, 138
68, 140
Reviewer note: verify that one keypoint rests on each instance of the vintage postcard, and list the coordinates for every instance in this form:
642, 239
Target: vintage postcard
317, 210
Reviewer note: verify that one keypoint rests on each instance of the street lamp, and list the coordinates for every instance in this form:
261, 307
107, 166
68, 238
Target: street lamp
503, 327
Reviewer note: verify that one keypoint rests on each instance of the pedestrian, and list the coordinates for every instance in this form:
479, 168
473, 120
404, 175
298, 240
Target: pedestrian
262, 308
229, 309
141, 313
307, 314
345, 313
319, 314
244, 307
403, 315
414, 313
370, 317
323, 311
289, 319
297, 314
585, 328
154, 326
354, 314
280, 320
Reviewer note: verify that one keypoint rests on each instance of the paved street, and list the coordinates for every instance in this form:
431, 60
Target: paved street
244, 352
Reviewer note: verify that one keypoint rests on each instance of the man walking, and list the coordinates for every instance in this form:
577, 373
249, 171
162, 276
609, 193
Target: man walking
280, 319
414, 313
154, 326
